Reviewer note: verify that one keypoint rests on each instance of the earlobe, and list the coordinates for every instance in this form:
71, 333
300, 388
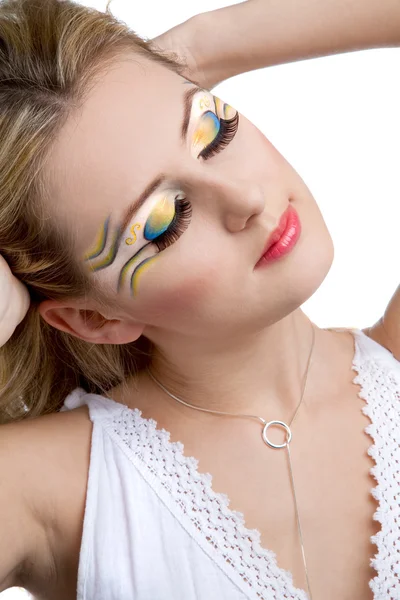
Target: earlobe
89, 325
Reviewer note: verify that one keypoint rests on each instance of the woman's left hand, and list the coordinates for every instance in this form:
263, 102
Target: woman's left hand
387, 330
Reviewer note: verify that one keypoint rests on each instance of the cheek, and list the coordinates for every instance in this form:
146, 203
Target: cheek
177, 294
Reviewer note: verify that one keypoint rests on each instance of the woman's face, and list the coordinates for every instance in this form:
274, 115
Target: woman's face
172, 196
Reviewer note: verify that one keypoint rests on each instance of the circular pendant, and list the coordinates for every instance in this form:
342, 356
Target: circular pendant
277, 424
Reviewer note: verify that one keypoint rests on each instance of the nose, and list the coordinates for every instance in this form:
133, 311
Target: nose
240, 202
236, 201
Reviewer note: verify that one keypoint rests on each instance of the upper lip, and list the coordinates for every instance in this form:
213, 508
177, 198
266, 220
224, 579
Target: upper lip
277, 233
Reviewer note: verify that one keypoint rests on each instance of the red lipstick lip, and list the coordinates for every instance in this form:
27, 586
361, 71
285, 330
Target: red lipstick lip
287, 233
277, 233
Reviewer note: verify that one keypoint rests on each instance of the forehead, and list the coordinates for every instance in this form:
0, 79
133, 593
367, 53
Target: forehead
120, 139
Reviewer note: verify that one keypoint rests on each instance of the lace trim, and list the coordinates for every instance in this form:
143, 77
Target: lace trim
223, 528
234, 547
380, 389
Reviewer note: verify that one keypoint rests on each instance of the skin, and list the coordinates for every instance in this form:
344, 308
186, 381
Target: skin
14, 302
211, 63
222, 329
202, 302
227, 335
142, 231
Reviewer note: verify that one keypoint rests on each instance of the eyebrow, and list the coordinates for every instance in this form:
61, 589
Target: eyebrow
153, 185
187, 105
138, 203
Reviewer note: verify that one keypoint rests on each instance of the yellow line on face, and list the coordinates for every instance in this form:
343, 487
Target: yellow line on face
140, 269
99, 243
127, 266
110, 256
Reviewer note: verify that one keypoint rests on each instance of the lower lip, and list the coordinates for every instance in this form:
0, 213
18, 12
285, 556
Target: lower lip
286, 242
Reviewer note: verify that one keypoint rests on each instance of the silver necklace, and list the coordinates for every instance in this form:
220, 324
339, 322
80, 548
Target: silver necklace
266, 426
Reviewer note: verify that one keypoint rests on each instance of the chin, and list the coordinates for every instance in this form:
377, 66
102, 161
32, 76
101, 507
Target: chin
302, 280
316, 268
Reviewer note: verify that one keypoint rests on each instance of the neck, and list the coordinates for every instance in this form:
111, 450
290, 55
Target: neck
263, 374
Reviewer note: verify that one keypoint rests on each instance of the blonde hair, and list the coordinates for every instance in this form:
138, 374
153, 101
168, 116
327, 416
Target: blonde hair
51, 51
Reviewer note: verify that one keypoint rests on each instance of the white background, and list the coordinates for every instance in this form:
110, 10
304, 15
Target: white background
336, 120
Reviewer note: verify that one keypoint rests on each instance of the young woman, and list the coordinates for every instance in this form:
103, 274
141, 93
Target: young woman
174, 426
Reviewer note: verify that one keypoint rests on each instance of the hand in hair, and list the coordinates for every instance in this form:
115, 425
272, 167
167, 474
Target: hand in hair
14, 302
181, 44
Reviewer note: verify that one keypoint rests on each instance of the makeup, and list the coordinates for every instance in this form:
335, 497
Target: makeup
168, 218
100, 241
133, 239
288, 233
224, 110
216, 124
164, 214
160, 218
158, 224
105, 249
128, 279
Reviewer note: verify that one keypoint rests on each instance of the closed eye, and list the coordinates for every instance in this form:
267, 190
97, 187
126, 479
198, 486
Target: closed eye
179, 223
226, 133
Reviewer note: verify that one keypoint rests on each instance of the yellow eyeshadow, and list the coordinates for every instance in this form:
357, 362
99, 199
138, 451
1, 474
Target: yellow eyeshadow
159, 219
207, 130
224, 110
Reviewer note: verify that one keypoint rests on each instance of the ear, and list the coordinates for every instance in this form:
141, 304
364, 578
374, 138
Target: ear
89, 325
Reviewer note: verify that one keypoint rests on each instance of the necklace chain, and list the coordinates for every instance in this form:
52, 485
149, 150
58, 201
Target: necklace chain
266, 425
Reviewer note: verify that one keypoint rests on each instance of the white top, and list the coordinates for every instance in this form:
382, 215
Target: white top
154, 529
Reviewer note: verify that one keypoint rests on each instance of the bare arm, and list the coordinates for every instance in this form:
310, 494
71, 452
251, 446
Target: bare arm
260, 33
14, 518
23, 543
387, 330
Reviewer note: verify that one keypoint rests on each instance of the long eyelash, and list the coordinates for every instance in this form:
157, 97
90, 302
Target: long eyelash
180, 222
226, 133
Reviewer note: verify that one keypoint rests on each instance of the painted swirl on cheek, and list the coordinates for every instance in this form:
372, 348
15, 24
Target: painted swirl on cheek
157, 223
139, 261
154, 230
133, 239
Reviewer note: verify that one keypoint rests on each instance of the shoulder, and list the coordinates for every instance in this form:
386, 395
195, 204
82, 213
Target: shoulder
55, 450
